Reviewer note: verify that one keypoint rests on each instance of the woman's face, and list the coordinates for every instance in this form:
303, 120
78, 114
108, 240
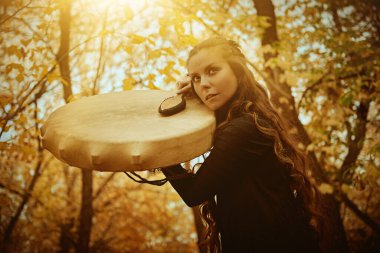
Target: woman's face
213, 79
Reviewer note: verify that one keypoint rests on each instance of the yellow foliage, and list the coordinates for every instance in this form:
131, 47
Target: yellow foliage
187, 40
128, 83
346, 188
168, 70
325, 188
283, 100
14, 50
6, 128
136, 39
22, 120
53, 76
268, 48
11, 66
164, 218
163, 31
5, 97
72, 98
169, 79
168, 50
128, 49
179, 28
151, 86
333, 122
182, 62
151, 77
20, 78
310, 147
150, 40
26, 42
128, 12
154, 54
291, 79
300, 146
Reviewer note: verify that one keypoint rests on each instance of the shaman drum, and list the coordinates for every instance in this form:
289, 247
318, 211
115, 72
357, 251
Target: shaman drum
123, 131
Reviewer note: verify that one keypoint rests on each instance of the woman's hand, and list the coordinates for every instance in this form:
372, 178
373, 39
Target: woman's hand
184, 87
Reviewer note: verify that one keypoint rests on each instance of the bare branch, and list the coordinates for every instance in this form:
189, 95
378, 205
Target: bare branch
321, 80
363, 216
356, 145
15, 13
101, 52
312, 86
102, 187
25, 199
11, 190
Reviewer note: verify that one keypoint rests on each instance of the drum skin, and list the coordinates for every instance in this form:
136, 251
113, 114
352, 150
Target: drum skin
123, 131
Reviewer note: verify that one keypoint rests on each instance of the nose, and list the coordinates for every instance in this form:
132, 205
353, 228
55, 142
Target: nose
205, 82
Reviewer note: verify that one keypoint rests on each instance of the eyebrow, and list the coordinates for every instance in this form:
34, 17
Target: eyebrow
207, 67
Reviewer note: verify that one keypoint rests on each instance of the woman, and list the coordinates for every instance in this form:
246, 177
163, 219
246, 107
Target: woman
253, 187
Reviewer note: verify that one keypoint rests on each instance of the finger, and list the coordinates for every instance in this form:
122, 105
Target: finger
185, 79
181, 84
184, 89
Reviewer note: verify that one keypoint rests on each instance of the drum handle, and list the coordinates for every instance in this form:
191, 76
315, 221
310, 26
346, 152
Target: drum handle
158, 182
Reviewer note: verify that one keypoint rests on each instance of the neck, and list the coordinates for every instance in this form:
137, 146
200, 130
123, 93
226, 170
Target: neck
222, 112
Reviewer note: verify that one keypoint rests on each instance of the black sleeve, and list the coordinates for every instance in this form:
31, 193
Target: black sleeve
219, 168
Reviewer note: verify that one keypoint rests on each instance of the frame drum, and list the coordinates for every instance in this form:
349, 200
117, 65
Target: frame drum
123, 131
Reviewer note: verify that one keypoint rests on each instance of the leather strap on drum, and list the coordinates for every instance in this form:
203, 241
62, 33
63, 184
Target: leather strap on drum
158, 182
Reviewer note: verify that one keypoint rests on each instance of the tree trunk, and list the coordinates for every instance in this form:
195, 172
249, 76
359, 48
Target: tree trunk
86, 213
199, 227
65, 239
333, 237
62, 57
24, 201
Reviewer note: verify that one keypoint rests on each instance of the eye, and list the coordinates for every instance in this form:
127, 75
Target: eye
212, 71
195, 79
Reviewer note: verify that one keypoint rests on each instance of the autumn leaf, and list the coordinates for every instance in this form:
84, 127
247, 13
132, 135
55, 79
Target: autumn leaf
136, 39
129, 14
14, 50
325, 188
154, 54
20, 78
151, 86
128, 49
26, 42
5, 97
53, 76
128, 83
12, 66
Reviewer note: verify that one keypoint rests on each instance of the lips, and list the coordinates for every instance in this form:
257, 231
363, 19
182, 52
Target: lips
210, 96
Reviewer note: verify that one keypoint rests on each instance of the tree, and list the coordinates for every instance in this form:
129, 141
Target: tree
320, 62
334, 237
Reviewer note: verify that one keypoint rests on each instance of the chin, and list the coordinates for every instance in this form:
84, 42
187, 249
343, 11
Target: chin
213, 107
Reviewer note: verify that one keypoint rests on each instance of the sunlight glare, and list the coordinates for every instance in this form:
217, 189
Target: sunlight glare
135, 5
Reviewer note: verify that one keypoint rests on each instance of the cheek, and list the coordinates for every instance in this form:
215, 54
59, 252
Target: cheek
230, 85
196, 92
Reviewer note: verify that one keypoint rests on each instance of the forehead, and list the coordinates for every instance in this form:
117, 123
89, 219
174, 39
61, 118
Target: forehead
199, 61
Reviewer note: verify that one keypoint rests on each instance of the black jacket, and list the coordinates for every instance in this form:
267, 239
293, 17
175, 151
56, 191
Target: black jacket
256, 209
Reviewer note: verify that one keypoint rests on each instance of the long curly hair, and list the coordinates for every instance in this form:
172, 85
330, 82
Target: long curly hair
251, 98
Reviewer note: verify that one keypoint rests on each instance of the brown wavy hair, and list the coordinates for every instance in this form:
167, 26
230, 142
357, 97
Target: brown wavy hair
251, 98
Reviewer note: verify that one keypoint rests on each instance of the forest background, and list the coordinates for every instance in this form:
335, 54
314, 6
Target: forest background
319, 59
